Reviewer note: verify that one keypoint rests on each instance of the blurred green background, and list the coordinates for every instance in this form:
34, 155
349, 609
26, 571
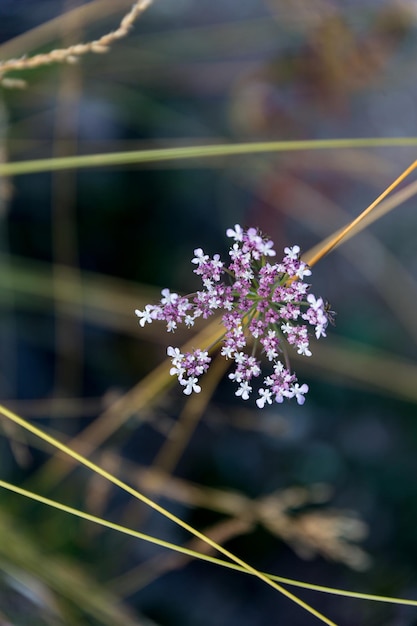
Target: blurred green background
82, 248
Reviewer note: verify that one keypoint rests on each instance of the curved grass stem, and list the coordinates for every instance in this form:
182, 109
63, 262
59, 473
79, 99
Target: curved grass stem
199, 555
157, 155
312, 258
156, 507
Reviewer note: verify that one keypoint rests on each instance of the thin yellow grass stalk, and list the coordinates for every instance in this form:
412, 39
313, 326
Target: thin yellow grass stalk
199, 555
330, 244
142, 498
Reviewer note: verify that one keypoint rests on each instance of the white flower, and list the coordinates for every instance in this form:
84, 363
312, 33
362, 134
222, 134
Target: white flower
146, 315
168, 297
215, 302
271, 354
189, 321
265, 247
303, 348
177, 371
216, 263
240, 358
177, 360
316, 304
176, 355
292, 253
236, 234
200, 258
321, 330
278, 369
228, 352
244, 390
265, 396
208, 284
237, 376
235, 252
303, 271
299, 392
190, 385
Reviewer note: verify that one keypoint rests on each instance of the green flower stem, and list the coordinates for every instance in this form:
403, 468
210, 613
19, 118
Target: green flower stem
197, 152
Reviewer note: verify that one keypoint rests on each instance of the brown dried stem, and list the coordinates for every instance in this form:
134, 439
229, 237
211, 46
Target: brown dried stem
341, 235
72, 53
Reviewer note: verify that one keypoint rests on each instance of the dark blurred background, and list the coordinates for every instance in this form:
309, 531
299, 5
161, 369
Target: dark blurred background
82, 248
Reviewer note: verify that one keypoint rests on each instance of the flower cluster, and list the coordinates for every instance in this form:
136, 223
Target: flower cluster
265, 306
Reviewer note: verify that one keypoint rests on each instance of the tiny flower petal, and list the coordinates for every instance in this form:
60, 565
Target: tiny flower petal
265, 396
292, 253
200, 257
146, 315
236, 234
299, 392
168, 297
190, 386
244, 390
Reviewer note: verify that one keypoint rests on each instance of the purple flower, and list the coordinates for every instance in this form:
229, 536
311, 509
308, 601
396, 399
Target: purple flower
266, 307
